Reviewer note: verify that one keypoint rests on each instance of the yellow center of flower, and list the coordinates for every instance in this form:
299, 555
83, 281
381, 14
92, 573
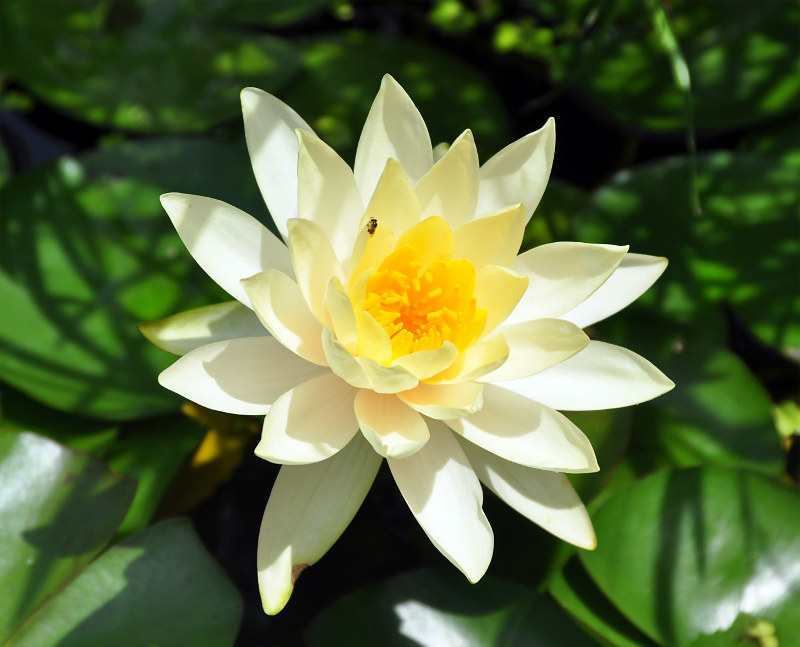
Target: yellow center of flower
419, 307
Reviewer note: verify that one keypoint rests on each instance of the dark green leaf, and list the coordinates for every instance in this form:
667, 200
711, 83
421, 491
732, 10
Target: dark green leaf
742, 58
58, 509
429, 609
158, 588
155, 66
86, 253
684, 553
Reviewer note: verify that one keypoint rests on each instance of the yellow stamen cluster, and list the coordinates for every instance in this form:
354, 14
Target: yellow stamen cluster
422, 307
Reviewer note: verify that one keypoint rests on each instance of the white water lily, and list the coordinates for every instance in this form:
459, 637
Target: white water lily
398, 322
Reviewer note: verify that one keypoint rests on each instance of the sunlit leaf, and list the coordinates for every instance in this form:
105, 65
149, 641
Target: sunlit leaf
86, 253
429, 609
684, 553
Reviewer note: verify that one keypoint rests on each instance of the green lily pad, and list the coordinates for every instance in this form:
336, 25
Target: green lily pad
58, 509
430, 609
154, 66
742, 59
551, 220
743, 249
342, 75
86, 253
684, 553
273, 13
779, 140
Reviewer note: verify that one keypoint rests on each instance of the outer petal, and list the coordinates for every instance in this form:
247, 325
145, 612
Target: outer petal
327, 193
526, 432
562, 275
634, 275
393, 430
519, 172
445, 496
394, 128
315, 264
601, 376
310, 423
546, 498
534, 346
227, 243
493, 239
243, 376
442, 401
192, 329
281, 308
269, 126
309, 508
450, 188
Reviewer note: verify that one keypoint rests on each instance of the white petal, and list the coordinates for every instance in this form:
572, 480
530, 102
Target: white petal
546, 498
634, 275
226, 242
269, 126
534, 346
327, 193
243, 376
394, 128
450, 189
308, 509
526, 432
601, 376
310, 423
280, 307
445, 496
194, 328
519, 172
562, 275
443, 401
393, 429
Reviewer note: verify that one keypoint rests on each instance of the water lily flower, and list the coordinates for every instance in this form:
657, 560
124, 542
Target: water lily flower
396, 321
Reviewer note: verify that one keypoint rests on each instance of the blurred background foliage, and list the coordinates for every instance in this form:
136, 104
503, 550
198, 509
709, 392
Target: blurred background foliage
678, 134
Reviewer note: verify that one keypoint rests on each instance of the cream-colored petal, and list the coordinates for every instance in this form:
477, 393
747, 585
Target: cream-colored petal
363, 372
393, 430
546, 498
601, 376
427, 363
478, 360
308, 510
493, 239
269, 126
519, 172
499, 290
226, 242
633, 276
243, 376
327, 193
373, 340
310, 423
281, 308
315, 264
433, 240
562, 275
535, 346
394, 203
445, 496
394, 128
369, 250
450, 188
445, 401
524, 431
343, 318
194, 328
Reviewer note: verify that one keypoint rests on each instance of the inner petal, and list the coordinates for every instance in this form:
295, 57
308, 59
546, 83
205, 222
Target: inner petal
421, 307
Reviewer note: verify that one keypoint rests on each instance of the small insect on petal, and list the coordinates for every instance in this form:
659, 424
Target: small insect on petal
372, 225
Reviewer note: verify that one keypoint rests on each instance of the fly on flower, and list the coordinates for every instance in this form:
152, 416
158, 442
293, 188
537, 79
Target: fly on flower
427, 341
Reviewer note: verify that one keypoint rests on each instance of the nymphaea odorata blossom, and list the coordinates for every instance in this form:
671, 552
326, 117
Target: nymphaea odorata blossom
396, 321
